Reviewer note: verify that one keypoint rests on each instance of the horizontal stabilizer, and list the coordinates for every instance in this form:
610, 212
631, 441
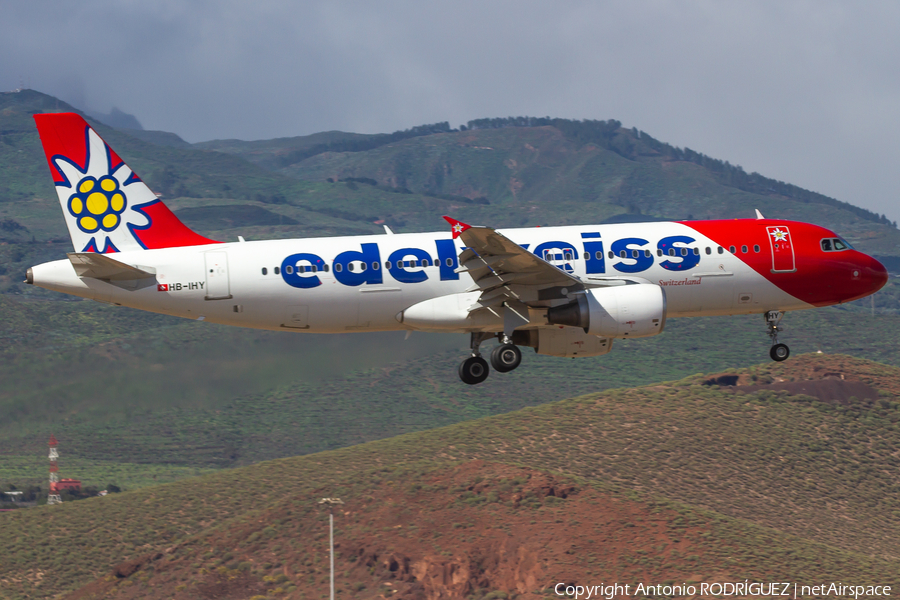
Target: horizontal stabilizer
101, 266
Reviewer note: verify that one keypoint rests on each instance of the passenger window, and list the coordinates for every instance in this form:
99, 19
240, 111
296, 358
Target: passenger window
569, 256
387, 264
743, 249
313, 269
708, 250
449, 262
265, 271
647, 253
671, 251
634, 253
289, 269
756, 248
587, 255
611, 254
338, 267
659, 252
277, 271
598, 255
623, 254
696, 251
721, 250
375, 266
732, 249
325, 268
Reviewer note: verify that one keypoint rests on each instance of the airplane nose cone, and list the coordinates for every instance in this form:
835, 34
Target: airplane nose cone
877, 274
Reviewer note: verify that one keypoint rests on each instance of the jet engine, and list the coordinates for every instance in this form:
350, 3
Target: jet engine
625, 311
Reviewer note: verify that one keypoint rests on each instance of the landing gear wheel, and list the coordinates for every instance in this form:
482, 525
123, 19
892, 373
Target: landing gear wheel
779, 352
473, 370
506, 357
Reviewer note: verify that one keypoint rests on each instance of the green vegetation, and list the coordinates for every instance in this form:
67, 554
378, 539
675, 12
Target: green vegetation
761, 464
114, 382
638, 145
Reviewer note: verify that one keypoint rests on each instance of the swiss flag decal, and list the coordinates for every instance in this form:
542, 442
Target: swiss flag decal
162, 287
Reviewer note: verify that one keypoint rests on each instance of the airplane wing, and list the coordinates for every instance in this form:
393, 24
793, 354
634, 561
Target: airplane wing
508, 275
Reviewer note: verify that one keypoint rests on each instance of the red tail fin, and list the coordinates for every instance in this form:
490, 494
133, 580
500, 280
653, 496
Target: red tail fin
106, 205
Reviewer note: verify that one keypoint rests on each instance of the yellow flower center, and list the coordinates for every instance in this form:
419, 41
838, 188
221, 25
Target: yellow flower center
97, 203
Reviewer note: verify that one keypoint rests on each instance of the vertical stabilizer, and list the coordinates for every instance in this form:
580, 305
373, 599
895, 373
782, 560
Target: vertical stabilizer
106, 205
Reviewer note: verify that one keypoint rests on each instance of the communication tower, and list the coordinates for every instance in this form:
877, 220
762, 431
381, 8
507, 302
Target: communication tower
53, 497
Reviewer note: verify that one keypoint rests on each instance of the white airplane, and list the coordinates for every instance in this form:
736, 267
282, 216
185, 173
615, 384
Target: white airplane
564, 291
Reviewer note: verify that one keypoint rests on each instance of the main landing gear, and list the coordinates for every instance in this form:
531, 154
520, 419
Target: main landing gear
504, 358
778, 352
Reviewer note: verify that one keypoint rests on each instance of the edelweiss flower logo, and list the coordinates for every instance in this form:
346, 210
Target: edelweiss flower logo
97, 204
104, 200
779, 235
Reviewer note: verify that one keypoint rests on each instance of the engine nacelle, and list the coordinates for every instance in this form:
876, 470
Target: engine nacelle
625, 311
450, 313
567, 342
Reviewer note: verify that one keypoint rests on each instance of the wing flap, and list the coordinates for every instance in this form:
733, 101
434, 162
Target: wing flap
492, 260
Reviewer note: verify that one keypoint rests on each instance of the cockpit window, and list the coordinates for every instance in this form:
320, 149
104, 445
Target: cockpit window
835, 245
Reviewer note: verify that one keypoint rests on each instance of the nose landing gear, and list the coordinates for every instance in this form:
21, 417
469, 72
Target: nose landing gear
778, 352
504, 358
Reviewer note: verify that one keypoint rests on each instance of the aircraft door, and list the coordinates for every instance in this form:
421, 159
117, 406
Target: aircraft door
782, 249
217, 286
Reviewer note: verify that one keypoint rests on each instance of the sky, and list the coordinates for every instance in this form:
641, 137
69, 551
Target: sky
803, 92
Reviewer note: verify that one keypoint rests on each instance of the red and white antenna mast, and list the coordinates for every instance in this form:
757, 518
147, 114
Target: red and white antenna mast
53, 497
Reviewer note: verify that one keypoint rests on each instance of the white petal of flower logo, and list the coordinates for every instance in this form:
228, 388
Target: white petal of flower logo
779, 235
99, 200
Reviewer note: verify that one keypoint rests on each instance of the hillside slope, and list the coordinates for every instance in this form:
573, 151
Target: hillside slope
81, 370
499, 172
559, 174
28, 198
766, 463
475, 530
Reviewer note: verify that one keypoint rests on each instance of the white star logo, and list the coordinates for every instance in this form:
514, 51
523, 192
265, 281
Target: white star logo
779, 235
458, 228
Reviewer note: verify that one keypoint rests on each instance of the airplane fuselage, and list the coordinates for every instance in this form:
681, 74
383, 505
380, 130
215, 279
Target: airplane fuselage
362, 283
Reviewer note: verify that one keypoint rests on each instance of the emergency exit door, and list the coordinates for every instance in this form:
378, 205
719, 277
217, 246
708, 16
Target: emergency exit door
217, 286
